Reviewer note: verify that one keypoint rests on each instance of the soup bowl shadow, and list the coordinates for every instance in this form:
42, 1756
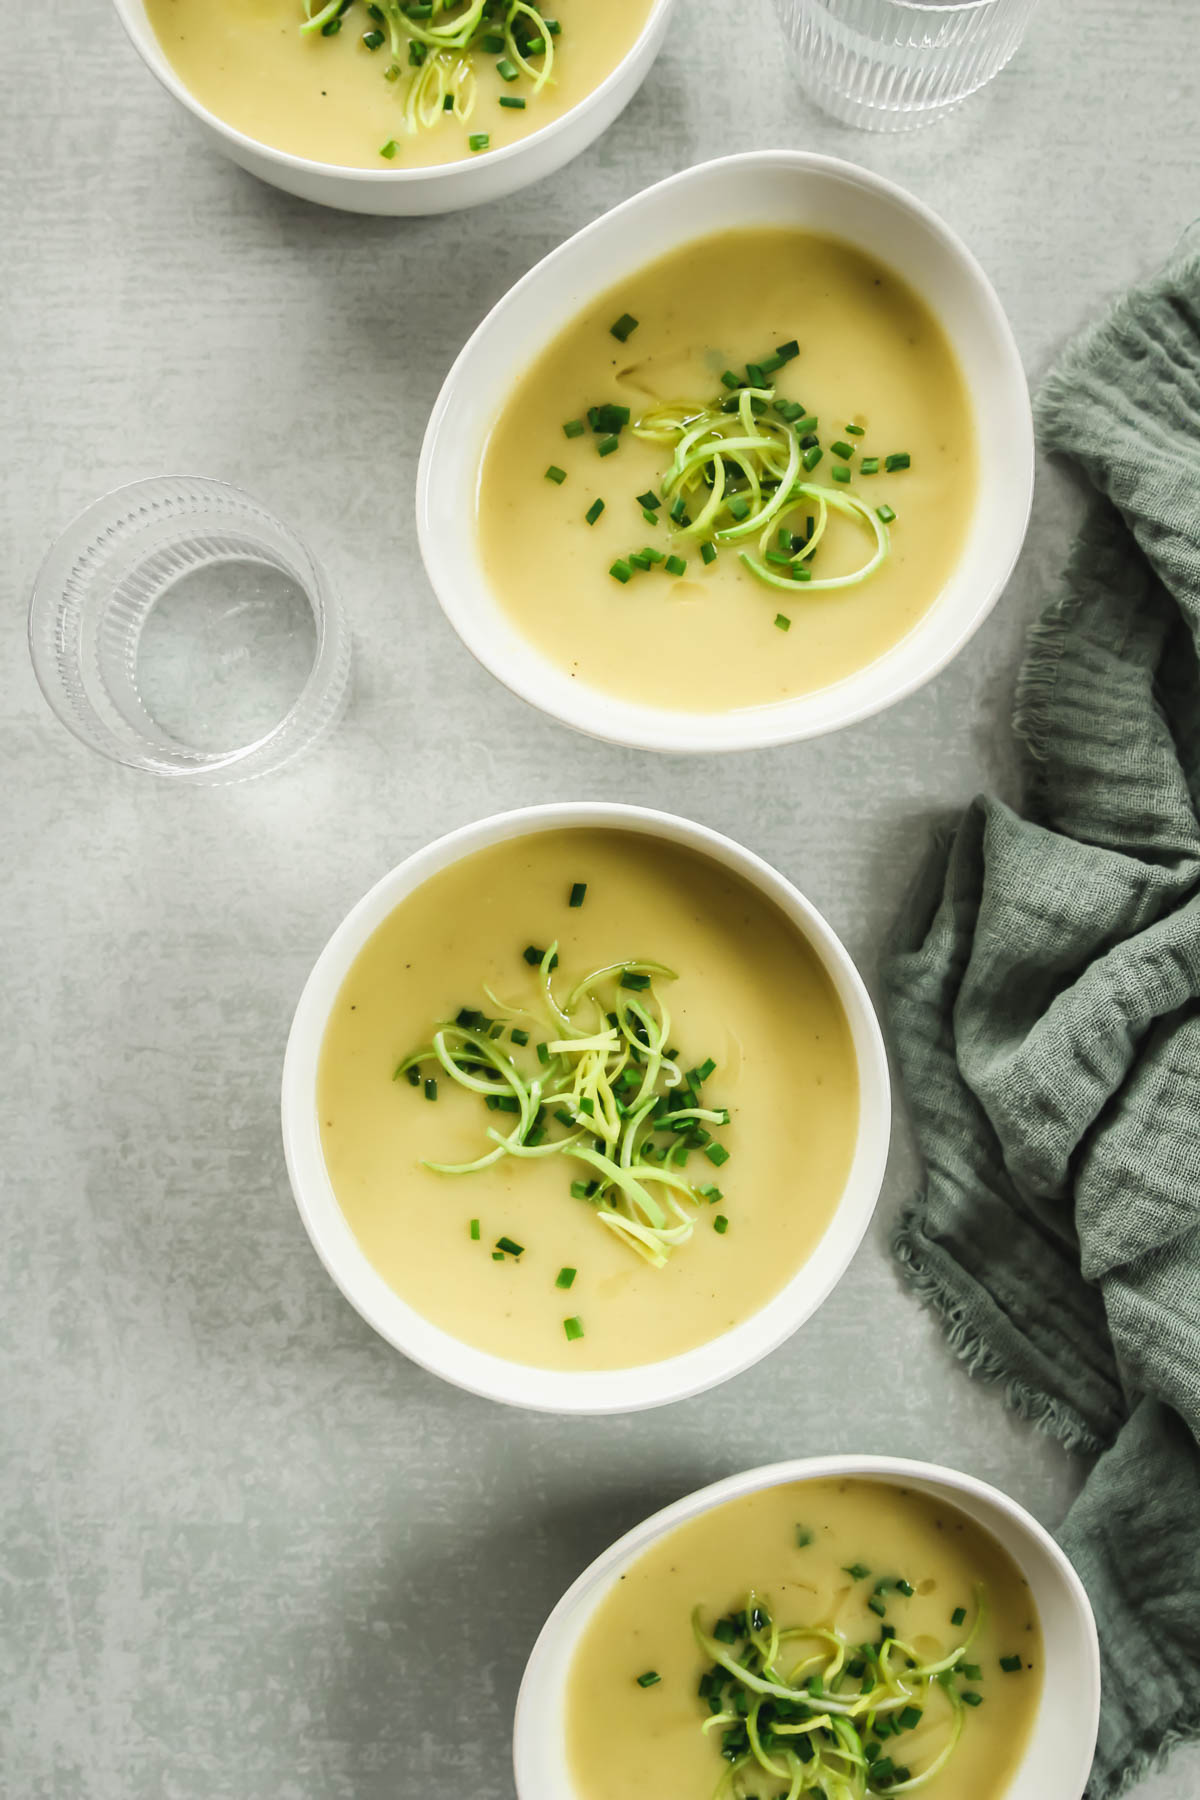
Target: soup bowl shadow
397, 192
1058, 1757
592, 1390
759, 189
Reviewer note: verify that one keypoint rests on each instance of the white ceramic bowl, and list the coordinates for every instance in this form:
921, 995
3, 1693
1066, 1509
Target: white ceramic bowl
1055, 1765
556, 1390
770, 187
404, 193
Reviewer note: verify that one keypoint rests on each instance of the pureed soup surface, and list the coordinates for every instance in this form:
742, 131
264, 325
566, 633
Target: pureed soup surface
625, 1742
751, 995
327, 98
870, 354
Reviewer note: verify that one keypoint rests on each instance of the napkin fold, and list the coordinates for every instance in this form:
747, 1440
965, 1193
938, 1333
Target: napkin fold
1044, 999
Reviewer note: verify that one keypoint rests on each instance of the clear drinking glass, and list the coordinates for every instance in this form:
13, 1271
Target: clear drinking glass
890, 65
178, 627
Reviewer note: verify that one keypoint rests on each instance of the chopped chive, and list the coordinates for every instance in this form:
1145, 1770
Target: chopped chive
739, 508
910, 1718
958, 1616
649, 1679
812, 456
509, 1247
633, 978
656, 556
806, 426
556, 475
578, 890
543, 1053
372, 39
574, 428
679, 511
842, 449
804, 1537
972, 1671
519, 1037
607, 445
731, 380
720, 1224
493, 43
448, 103
782, 622
430, 1088
708, 553
651, 518
855, 430
649, 500
512, 100
840, 472
905, 1588
624, 328
725, 1631
885, 513
564, 1278
856, 1571
506, 70
899, 459
620, 570
787, 352
474, 1231
497, 1256
389, 149
675, 565
1010, 1664
779, 560
869, 465
479, 140
970, 1698
756, 375
716, 1154
593, 512
710, 1192
877, 1606
573, 1329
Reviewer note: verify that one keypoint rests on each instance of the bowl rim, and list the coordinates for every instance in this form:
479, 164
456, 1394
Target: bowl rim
529, 1726
138, 28
643, 727
524, 1385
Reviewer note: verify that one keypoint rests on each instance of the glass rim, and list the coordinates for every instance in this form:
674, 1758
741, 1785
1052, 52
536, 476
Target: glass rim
323, 604
940, 7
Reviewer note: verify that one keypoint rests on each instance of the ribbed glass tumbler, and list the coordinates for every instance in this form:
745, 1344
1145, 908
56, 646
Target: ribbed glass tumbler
891, 65
178, 627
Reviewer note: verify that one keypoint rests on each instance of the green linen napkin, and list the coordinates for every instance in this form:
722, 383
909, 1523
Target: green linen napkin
1044, 999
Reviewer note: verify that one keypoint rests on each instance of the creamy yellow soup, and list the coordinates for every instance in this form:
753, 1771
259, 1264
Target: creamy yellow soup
751, 997
327, 98
814, 1554
870, 364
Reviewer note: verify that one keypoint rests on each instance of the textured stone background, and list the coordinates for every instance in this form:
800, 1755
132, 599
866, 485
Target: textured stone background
247, 1551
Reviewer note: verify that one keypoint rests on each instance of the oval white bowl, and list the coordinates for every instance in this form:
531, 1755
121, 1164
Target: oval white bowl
407, 193
770, 187
1059, 1756
558, 1390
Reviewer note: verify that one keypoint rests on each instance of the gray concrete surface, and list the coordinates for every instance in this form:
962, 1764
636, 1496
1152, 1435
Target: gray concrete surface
247, 1552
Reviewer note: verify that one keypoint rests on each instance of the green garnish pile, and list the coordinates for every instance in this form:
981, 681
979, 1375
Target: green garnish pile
825, 1717
739, 476
591, 1077
433, 47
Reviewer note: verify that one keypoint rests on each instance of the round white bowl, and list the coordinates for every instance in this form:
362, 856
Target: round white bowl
1059, 1755
558, 1390
407, 193
769, 187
